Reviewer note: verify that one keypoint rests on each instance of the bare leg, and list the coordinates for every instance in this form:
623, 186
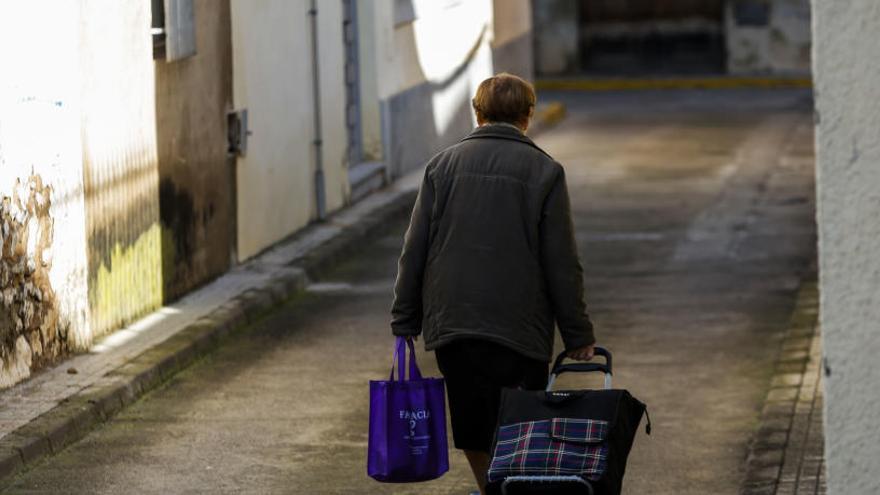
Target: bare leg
479, 462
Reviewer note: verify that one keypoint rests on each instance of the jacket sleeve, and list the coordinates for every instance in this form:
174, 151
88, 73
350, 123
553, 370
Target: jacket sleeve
406, 311
562, 269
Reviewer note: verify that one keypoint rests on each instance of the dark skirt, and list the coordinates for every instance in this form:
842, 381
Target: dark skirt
475, 372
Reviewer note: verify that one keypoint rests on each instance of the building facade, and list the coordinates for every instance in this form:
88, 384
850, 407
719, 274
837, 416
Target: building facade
148, 147
846, 74
672, 37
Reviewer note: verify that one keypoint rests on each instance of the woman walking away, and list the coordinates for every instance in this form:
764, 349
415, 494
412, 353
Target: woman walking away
489, 263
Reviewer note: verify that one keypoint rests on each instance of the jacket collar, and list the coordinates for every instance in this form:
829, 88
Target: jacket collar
497, 131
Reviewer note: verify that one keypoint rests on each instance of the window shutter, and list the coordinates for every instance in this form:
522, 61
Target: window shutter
180, 29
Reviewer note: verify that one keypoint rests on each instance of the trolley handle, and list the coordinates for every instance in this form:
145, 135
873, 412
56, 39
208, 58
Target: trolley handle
559, 367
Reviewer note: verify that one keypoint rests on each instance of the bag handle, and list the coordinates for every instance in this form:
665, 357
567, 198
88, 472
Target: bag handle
400, 357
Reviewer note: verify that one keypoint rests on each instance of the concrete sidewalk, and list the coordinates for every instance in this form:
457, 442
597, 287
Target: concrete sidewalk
787, 452
44, 414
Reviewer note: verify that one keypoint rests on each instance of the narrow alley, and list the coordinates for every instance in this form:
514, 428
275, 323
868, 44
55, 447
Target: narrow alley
695, 219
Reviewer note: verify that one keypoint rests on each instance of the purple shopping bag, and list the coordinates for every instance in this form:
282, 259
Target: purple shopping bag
407, 424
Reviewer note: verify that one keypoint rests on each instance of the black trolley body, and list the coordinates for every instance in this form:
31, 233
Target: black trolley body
565, 441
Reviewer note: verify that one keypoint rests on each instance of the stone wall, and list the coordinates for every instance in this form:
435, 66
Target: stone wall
846, 77
43, 304
29, 330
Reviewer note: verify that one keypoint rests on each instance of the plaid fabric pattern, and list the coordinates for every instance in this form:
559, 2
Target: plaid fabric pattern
561, 446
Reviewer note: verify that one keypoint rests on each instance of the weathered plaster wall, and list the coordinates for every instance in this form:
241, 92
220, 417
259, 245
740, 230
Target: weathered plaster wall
846, 76
779, 45
43, 271
119, 160
195, 189
557, 36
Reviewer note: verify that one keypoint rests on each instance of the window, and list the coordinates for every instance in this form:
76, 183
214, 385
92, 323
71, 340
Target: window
174, 30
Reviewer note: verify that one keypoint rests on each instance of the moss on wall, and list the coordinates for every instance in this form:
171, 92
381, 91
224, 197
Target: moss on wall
129, 285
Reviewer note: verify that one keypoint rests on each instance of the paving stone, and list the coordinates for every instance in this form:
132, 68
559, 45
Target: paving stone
797, 344
782, 394
769, 457
774, 440
787, 380
802, 469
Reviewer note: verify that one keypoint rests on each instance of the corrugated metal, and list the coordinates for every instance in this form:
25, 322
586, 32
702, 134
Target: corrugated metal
120, 164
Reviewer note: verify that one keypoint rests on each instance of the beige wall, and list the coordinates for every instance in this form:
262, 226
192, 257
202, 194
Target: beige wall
512, 19
272, 78
512, 40
846, 75
332, 77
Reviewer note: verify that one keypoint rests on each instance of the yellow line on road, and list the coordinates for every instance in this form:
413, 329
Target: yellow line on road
673, 83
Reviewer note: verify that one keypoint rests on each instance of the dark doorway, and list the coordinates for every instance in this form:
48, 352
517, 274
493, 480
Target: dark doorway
652, 37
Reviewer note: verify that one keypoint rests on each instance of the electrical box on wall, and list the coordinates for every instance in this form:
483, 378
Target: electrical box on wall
237, 131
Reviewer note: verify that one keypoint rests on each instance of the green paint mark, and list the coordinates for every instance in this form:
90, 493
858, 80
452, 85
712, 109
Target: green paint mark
131, 286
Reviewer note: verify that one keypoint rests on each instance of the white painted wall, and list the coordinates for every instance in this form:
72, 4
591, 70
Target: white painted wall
331, 50
441, 37
782, 46
40, 135
371, 119
846, 72
272, 78
425, 50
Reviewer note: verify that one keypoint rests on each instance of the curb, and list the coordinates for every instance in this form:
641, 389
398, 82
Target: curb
78, 414
767, 450
618, 84
547, 116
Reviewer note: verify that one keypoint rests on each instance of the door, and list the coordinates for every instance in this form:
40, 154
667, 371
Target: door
272, 80
645, 37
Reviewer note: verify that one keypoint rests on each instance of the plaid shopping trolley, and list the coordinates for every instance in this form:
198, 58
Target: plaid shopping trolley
566, 441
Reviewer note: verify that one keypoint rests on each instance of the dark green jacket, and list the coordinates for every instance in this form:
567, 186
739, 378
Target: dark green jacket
490, 250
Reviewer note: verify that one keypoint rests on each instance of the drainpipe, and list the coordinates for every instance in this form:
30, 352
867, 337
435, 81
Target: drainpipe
320, 195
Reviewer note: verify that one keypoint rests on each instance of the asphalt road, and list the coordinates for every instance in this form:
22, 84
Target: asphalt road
694, 212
